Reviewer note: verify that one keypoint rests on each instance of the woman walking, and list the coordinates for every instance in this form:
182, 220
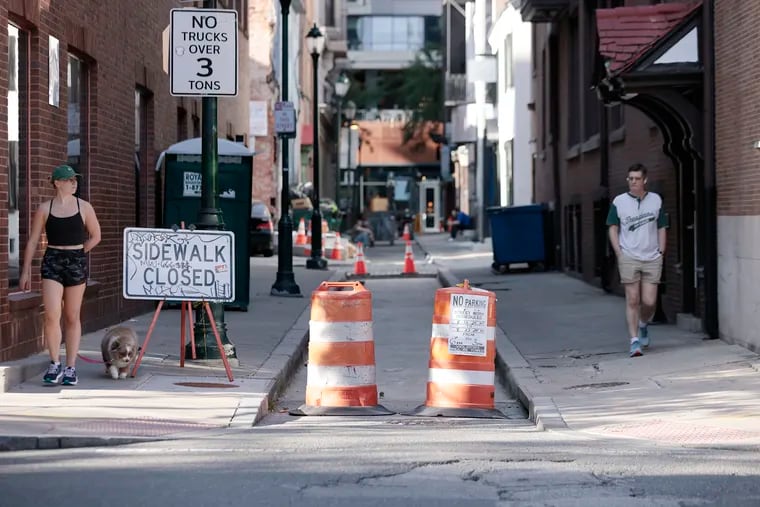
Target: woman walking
72, 230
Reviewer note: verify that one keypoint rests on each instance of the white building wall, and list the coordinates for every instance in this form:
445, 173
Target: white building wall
514, 118
738, 271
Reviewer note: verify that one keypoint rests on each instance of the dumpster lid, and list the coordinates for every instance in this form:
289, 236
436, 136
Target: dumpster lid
193, 147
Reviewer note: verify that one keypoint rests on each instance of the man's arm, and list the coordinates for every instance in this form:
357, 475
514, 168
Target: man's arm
662, 239
614, 232
613, 221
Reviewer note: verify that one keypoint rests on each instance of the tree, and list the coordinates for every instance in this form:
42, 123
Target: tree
420, 90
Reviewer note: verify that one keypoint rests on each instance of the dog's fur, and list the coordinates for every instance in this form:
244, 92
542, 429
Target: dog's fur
119, 347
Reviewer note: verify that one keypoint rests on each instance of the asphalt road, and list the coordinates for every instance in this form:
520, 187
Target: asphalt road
389, 460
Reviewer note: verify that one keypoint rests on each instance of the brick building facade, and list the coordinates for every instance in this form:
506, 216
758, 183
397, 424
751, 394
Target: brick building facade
584, 145
737, 133
85, 85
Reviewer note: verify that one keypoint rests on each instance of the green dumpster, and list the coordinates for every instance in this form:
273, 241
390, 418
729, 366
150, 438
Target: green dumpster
182, 199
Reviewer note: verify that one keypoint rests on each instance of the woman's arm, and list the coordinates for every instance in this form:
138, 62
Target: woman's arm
93, 228
38, 222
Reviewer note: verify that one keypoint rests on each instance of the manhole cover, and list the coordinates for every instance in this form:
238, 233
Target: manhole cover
598, 385
210, 385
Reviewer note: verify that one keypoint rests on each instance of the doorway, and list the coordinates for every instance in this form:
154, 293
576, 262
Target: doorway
430, 205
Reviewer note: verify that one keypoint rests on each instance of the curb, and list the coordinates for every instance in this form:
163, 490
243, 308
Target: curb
18, 372
515, 375
284, 361
10, 443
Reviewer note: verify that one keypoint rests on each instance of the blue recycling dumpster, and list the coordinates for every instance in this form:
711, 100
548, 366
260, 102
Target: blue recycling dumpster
517, 235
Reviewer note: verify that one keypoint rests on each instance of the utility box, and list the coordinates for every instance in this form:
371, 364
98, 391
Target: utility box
182, 199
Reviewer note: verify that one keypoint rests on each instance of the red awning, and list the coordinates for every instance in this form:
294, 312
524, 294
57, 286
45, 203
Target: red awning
627, 33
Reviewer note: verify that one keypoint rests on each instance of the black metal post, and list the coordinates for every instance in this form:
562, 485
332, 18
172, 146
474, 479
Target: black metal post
337, 144
209, 218
316, 261
285, 283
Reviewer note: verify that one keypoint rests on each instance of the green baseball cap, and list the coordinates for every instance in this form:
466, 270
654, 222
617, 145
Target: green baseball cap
64, 172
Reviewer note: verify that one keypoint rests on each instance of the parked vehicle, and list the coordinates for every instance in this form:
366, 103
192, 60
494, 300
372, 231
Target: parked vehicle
261, 230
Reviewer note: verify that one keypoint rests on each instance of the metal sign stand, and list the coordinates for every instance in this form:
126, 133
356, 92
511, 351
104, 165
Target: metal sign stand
186, 307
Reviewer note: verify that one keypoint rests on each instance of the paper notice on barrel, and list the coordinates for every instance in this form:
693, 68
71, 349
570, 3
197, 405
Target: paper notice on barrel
467, 325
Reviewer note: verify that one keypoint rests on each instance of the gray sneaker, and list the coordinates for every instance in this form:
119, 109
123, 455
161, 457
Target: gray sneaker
54, 373
644, 336
69, 376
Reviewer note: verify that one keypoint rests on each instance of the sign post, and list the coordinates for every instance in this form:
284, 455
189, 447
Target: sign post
203, 61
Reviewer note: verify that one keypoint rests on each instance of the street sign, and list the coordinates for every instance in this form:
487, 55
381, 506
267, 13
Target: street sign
180, 265
203, 57
284, 119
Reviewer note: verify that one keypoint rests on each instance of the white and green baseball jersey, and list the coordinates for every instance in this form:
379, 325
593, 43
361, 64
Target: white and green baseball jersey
639, 220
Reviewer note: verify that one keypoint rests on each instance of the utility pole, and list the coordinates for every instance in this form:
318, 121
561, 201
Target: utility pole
209, 218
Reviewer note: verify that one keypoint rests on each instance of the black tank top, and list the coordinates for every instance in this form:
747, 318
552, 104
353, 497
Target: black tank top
68, 231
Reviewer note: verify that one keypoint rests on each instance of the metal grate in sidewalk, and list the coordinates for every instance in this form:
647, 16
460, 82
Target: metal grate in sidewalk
679, 433
143, 427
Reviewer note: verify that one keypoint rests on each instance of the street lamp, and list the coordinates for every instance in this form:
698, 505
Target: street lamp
350, 113
285, 284
315, 43
342, 84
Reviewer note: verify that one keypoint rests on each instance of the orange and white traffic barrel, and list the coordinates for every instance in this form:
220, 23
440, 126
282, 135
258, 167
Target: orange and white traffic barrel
461, 371
341, 368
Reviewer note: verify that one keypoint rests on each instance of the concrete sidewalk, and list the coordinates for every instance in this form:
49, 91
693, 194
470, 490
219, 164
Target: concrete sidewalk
564, 349
269, 339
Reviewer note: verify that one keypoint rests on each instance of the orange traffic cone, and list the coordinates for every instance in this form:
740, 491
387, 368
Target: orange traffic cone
307, 245
336, 249
406, 236
325, 227
301, 236
409, 268
462, 353
360, 268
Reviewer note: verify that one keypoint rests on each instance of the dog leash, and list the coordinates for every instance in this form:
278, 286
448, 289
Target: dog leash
88, 360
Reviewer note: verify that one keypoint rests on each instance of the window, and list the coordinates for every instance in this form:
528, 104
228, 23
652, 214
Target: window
142, 98
196, 125
508, 62
77, 121
573, 86
18, 164
393, 33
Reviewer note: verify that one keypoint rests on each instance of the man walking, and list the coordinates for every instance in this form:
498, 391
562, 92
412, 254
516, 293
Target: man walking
637, 228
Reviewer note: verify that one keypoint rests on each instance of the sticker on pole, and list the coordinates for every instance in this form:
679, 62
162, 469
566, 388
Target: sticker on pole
183, 265
468, 320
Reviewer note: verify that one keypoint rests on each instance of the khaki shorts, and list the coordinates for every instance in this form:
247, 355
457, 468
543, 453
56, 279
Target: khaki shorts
633, 270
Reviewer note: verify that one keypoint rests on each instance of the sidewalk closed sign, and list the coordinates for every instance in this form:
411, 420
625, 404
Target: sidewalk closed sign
468, 320
203, 57
179, 265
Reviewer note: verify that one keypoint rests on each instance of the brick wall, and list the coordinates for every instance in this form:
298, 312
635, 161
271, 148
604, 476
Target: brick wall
263, 87
121, 43
580, 174
737, 107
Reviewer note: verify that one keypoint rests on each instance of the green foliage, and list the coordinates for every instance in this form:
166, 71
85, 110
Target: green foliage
420, 91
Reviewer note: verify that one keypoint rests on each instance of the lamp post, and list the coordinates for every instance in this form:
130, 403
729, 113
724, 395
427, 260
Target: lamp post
315, 42
342, 84
350, 113
285, 284
209, 218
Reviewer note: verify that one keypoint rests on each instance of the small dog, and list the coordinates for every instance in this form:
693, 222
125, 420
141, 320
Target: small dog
119, 347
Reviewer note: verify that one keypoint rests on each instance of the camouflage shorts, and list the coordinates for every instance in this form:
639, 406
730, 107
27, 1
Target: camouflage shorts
67, 267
